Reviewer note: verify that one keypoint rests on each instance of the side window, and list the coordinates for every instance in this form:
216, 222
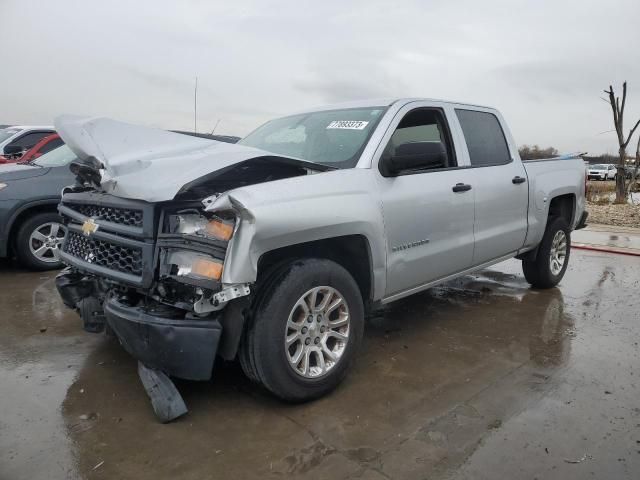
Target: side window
485, 139
418, 127
28, 140
51, 145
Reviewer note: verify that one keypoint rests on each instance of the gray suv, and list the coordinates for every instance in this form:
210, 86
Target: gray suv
30, 227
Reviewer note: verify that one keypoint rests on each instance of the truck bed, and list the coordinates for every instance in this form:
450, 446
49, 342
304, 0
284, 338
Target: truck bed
549, 178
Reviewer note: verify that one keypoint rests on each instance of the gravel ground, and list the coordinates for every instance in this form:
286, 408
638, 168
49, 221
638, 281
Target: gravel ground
619, 215
600, 197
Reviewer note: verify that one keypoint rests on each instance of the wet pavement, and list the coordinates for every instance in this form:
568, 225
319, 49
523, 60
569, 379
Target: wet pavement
480, 378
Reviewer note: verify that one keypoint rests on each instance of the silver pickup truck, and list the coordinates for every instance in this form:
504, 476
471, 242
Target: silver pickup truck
272, 250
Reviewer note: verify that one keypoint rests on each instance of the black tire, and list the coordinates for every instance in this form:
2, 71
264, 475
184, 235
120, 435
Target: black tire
263, 355
270, 277
23, 237
538, 272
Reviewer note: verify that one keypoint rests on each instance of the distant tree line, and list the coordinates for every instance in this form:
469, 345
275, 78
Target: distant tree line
535, 152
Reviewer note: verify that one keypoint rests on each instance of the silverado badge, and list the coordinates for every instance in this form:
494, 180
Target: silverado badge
89, 227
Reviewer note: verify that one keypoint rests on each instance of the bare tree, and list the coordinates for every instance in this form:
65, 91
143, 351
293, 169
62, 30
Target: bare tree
618, 120
636, 169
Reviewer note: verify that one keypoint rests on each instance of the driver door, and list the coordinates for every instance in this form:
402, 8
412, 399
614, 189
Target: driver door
428, 217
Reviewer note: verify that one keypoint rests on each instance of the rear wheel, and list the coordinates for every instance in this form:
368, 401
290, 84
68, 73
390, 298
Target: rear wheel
305, 330
552, 259
38, 240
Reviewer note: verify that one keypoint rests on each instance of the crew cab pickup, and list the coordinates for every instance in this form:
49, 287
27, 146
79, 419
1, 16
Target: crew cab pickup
272, 250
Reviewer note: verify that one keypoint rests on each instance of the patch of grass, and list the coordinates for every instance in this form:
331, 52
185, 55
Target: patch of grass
599, 192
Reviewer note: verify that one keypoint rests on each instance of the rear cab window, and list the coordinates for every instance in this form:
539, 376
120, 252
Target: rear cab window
485, 139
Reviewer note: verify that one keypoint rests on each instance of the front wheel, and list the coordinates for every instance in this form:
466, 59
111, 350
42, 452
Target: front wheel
305, 330
552, 259
38, 240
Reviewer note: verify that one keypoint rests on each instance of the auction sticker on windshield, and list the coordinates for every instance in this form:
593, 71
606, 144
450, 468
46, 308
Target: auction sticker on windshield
348, 124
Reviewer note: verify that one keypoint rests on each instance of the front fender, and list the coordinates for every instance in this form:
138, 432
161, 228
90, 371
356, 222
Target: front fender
299, 210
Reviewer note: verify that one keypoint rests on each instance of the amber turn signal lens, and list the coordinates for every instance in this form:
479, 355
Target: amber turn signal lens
220, 229
207, 268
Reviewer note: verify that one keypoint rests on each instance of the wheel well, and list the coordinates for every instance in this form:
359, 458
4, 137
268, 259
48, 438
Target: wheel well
563, 206
350, 251
23, 216
560, 206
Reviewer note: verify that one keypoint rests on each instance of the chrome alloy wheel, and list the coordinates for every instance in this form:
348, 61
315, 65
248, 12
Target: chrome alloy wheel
317, 332
45, 241
558, 254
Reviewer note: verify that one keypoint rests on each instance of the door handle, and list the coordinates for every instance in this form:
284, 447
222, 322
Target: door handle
461, 187
516, 180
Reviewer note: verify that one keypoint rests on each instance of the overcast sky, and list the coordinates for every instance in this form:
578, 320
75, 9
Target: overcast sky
544, 64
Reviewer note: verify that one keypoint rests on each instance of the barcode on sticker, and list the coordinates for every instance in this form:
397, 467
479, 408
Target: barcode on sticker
348, 124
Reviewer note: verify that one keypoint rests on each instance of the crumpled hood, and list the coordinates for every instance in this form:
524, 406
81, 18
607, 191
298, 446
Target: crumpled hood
152, 164
13, 171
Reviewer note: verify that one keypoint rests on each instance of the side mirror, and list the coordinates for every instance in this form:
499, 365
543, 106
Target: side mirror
415, 156
13, 150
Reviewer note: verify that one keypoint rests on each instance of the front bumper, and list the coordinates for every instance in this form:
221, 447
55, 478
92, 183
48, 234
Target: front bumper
178, 345
183, 348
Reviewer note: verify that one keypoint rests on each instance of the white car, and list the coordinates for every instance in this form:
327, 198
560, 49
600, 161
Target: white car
603, 171
20, 138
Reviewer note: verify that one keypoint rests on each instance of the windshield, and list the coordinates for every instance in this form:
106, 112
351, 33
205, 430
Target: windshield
7, 133
333, 137
599, 167
56, 158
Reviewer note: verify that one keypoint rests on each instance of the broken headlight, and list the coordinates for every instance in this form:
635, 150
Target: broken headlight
198, 266
192, 223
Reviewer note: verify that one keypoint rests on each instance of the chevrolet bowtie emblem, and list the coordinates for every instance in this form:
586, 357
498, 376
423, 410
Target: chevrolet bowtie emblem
89, 227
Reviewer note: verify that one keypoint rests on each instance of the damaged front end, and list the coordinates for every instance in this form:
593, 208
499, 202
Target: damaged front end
151, 274
146, 254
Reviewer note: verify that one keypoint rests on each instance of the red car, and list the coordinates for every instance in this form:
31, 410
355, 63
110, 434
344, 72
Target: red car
46, 144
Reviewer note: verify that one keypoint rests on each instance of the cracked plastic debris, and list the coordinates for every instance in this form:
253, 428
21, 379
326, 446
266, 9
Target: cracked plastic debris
165, 399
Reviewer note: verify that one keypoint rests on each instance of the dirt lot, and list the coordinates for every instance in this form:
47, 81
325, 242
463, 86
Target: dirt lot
482, 378
618, 215
602, 210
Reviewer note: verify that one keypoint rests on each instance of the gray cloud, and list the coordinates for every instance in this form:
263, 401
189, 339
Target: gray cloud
543, 63
158, 80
